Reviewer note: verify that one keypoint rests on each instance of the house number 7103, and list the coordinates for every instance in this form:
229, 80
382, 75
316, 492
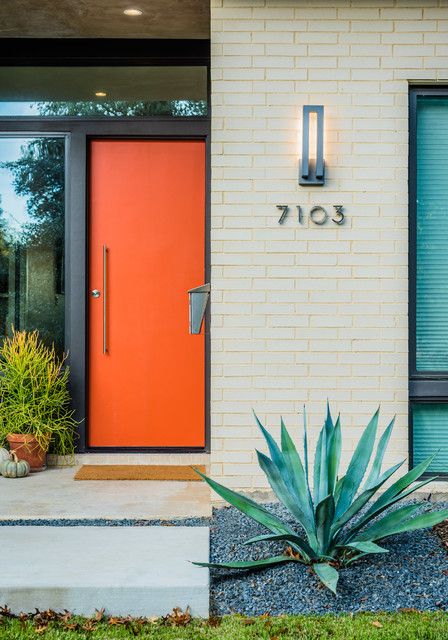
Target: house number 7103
317, 214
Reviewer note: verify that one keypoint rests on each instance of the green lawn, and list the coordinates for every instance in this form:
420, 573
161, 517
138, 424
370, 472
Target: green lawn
400, 626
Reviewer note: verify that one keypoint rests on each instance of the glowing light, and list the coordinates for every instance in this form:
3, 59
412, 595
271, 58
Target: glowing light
133, 12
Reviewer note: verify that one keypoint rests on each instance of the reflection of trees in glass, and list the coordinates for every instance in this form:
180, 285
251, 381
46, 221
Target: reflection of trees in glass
124, 109
32, 264
38, 175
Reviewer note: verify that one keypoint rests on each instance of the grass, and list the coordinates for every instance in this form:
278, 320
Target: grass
409, 625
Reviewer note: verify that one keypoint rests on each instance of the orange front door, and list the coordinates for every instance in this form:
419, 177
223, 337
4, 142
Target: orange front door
146, 250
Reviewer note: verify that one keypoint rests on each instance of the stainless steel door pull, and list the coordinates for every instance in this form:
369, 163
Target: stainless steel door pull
104, 298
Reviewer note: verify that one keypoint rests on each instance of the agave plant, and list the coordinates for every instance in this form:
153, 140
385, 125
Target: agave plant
332, 530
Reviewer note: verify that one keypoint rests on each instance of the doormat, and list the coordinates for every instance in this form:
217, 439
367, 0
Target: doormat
138, 472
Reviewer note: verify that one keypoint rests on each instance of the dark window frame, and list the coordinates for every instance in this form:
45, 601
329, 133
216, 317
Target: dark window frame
424, 386
78, 132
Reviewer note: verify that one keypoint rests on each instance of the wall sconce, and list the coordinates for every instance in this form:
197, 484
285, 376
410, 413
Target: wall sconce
312, 164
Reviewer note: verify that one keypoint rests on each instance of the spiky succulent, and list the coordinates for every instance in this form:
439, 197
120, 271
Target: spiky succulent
331, 531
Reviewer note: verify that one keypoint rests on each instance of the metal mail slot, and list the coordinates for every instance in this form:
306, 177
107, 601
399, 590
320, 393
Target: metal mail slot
198, 298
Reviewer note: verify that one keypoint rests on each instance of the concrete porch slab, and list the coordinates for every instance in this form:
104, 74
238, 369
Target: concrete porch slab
137, 571
54, 494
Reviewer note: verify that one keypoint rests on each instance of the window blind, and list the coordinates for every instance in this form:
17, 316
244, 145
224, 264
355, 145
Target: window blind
430, 434
432, 234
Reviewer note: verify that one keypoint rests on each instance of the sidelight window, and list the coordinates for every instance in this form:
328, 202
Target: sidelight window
32, 204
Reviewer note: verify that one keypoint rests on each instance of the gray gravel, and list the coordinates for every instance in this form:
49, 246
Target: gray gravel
413, 575
104, 522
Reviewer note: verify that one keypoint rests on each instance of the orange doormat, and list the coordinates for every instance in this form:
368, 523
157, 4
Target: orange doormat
138, 472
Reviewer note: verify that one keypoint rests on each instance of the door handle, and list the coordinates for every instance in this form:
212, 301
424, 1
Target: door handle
198, 298
104, 299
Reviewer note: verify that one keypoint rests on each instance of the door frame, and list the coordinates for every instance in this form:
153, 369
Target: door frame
78, 134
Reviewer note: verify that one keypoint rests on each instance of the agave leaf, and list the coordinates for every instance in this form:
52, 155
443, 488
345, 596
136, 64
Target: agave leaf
327, 575
305, 447
366, 547
337, 489
380, 451
329, 426
281, 463
334, 455
248, 564
324, 521
273, 447
320, 481
423, 521
404, 494
321, 459
365, 519
381, 527
357, 466
362, 500
300, 543
248, 507
387, 498
403, 524
283, 494
295, 468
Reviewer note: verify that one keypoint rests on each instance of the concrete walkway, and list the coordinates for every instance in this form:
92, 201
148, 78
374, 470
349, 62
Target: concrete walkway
53, 494
137, 571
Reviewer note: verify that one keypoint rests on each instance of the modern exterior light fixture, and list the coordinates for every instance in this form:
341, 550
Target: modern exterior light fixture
133, 12
312, 164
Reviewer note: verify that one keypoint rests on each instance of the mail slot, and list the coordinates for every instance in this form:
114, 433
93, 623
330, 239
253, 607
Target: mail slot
198, 303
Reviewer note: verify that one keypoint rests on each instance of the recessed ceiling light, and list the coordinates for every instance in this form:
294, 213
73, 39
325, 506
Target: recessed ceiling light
100, 94
132, 12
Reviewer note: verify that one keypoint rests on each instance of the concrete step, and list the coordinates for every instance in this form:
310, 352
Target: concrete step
137, 571
53, 494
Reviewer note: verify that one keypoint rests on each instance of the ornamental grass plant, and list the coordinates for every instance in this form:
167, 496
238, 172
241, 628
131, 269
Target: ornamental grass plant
34, 396
339, 520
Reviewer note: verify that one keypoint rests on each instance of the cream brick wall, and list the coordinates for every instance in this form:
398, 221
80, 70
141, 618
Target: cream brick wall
302, 313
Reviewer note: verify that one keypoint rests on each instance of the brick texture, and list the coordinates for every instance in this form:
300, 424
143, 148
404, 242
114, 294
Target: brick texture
301, 312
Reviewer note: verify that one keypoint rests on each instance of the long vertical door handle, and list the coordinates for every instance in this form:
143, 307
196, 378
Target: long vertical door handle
104, 298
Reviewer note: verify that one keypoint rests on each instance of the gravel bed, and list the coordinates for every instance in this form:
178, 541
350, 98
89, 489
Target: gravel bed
104, 522
413, 575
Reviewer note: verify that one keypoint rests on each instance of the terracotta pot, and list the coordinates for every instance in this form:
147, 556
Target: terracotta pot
27, 448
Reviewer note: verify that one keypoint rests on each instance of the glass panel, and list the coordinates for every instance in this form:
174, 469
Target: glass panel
430, 434
109, 92
32, 236
432, 234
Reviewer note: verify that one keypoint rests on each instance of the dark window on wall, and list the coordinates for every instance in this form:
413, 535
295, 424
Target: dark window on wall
428, 312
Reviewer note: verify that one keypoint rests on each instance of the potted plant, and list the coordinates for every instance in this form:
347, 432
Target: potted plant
35, 414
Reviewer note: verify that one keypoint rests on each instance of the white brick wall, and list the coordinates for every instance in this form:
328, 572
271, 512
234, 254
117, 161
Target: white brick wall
302, 313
